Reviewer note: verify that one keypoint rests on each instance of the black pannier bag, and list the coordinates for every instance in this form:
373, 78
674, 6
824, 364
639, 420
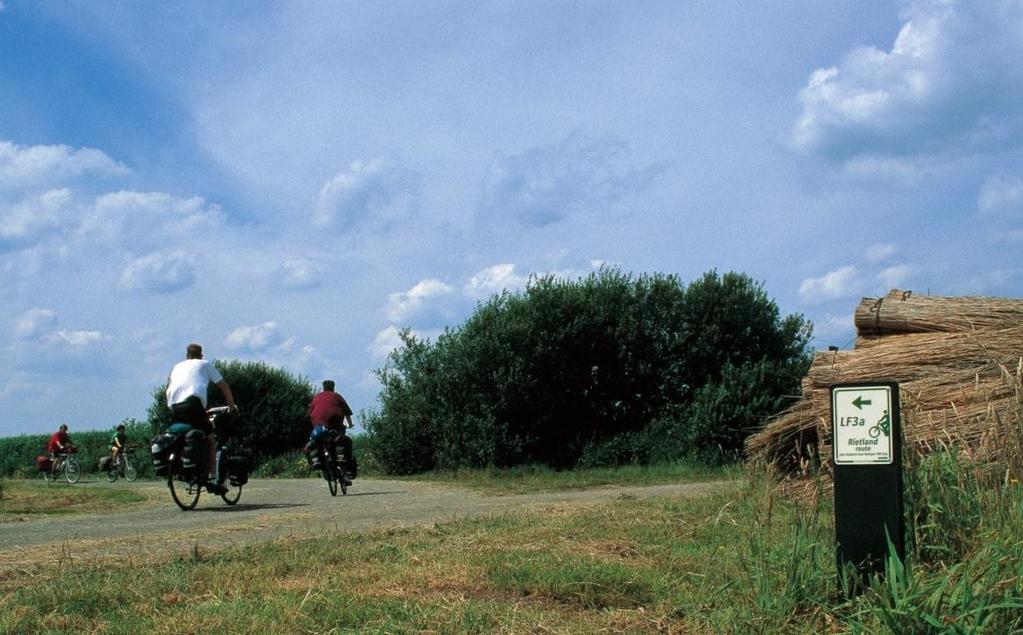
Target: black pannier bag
160, 450
313, 455
239, 464
193, 453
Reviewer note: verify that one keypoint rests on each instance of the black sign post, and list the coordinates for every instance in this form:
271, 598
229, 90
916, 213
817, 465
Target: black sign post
866, 433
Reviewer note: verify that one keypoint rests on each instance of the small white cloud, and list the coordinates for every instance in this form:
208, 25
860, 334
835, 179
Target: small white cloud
494, 280
160, 272
895, 277
880, 251
35, 324
257, 338
299, 274
402, 305
79, 340
840, 283
371, 191
385, 341
49, 165
1001, 195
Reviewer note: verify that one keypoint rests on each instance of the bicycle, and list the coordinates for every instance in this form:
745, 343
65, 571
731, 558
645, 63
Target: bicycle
187, 484
66, 464
123, 466
884, 425
331, 465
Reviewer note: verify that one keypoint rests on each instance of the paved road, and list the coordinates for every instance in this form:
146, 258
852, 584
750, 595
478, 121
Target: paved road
272, 509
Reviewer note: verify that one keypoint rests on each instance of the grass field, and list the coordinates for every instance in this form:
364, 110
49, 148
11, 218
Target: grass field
24, 499
748, 561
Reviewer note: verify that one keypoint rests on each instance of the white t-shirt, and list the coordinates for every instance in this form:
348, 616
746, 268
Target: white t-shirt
191, 377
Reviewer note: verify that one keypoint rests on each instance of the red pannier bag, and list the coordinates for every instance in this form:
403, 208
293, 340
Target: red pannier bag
43, 463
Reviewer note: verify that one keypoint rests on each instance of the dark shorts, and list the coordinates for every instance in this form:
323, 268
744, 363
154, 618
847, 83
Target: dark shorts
190, 411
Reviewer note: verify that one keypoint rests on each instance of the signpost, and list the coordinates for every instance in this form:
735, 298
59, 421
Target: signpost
867, 456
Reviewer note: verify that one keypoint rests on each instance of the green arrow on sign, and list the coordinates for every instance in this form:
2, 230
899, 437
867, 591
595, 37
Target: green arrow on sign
859, 402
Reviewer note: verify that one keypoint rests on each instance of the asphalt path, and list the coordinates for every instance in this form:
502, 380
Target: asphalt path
274, 509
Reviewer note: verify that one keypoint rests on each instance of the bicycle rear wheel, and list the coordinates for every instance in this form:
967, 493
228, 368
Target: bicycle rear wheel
112, 475
185, 494
130, 471
72, 470
49, 475
330, 473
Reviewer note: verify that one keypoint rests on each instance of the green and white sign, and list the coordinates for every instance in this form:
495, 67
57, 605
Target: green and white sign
862, 425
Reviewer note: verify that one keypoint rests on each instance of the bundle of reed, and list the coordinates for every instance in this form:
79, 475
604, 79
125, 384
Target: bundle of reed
917, 355
908, 312
953, 359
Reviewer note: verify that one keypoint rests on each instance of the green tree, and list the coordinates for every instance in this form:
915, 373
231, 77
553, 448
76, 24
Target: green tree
273, 404
609, 368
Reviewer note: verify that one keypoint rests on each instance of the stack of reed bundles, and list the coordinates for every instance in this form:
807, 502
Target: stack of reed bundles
959, 364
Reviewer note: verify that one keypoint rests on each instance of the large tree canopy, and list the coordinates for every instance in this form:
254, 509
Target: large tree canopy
605, 369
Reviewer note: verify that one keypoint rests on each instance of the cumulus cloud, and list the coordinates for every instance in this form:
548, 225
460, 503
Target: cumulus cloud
401, 306
134, 218
375, 191
37, 332
841, 283
160, 272
545, 184
385, 341
298, 274
257, 338
945, 78
494, 280
34, 218
46, 165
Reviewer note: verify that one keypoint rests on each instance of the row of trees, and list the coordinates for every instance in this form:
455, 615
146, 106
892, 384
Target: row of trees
604, 370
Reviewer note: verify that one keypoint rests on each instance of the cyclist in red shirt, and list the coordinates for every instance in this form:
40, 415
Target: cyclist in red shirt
60, 443
330, 411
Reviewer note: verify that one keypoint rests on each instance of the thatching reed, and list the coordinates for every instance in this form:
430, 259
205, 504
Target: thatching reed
959, 364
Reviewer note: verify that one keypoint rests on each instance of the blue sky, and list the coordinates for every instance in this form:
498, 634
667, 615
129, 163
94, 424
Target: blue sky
295, 182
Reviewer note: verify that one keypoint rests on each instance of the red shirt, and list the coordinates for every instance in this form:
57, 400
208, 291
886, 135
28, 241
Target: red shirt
328, 409
59, 438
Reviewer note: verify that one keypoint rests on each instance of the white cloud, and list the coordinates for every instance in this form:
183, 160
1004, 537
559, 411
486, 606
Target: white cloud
946, 78
987, 282
256, 338
298, 274
401, 306
545, 184
494, 280
840, 283
160, 272
896, 276
79, 339
35, 323
145, 218
834, 326
30, 166
1001, 195
375, 191
385, 341
33, 218
880, 251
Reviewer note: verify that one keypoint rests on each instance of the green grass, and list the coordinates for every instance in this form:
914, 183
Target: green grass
744, 560
24, 499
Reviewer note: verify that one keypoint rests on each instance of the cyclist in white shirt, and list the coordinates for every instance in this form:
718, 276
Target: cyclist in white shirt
186, 397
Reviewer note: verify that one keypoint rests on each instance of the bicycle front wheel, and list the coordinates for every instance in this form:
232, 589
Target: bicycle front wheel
72, 470
130, 471
185, 494
232, 495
